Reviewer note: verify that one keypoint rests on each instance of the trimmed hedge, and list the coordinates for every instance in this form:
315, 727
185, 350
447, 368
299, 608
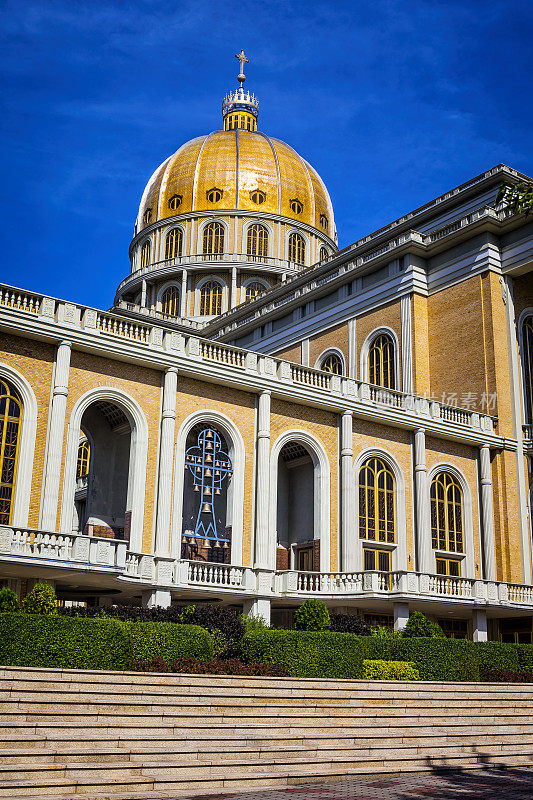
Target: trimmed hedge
30, 640
309, 654
390, 671
525, 657
440, 659
228, 666
496, 656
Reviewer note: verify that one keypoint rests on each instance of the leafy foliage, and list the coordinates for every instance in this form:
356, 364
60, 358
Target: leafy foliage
349, 623
192, 666
254, 622
9, 602
390, 671
419, 625
41, 600
525, 656
31, 640
496, 656
312, 615
507, 676
518, 197
382, 632
315, 654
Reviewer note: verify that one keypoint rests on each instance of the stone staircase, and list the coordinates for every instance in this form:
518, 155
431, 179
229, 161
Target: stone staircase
68, 734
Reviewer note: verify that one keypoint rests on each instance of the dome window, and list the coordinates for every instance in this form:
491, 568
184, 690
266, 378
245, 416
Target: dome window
175, 202
324, 221
296, 206
257, 196
323, 253
147, 216
214, 195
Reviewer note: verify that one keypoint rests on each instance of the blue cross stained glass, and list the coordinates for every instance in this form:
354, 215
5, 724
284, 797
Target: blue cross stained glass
209, 466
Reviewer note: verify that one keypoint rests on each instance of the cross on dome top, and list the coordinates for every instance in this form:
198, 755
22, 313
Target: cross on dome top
241, 77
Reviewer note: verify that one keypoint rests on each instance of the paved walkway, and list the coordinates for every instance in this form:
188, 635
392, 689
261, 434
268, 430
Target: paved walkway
510, 784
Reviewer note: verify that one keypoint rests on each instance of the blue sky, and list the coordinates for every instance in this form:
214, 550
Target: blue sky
393, 101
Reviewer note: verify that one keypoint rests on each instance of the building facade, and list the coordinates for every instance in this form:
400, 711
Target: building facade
262, 418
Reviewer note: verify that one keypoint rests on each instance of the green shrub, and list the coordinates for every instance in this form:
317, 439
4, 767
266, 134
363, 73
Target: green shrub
40, 600
169, 641
418, 625
254, 622
382, 632
439, 659
496, 656
314, 654
312, 615
525, 657
9, 602
390, 671
30, 640
378, 648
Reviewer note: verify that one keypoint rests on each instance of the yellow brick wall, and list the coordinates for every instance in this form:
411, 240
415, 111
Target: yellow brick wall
506, 518
420, 338
34, 360
334, 337
293, 354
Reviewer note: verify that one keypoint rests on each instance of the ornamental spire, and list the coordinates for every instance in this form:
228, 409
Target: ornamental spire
241, 77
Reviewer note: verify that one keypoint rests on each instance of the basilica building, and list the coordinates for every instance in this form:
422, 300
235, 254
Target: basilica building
262, 418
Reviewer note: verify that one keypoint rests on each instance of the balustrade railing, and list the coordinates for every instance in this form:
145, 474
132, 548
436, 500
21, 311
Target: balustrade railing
22, 301
215, 574
63, 547
310, 377
222, 353
121, 327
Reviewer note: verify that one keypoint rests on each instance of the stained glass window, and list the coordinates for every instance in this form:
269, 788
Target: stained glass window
446, 513
211, 299
376, 502
296, 248
381, 362
170, 301
214, 239
257, 242
173, 243
10, 419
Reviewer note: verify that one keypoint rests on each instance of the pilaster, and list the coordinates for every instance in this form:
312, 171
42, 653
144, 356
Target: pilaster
166, 450
54, 445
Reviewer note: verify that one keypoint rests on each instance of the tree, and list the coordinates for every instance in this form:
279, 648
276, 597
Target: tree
517, 197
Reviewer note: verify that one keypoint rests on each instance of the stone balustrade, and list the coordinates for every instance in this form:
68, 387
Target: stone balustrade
71, 549
152, 339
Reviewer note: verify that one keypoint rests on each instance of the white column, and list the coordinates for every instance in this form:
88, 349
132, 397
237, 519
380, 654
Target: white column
305, 352
407, 345
233, 296
480, 626
157, 597
183, 296
143, 293
423, 538
263, 556
401, 615
352, 356
348, 540
257, 607
166, 450
487, 514
54, 445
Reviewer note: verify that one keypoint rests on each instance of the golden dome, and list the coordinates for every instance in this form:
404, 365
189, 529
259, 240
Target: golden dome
251, 171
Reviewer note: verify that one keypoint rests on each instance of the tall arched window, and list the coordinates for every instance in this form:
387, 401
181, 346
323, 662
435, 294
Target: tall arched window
446, 513
173, 243
211, 299
257, 242
145, 253
527, 343
376, 502
332, 363
10, 419
84, 456
296, 248
170, 301
381, 362
323, 253
214, 239
253, 290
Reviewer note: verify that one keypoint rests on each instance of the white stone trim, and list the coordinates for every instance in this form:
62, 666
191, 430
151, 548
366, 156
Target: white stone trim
363, 357
247, 223
331, 351
203, 223
235, 495
163, 233
526, 313
407, 344
28, 430
352, 348
138, 458
198, 287
468, 521
399, 549
305, 236
321, 492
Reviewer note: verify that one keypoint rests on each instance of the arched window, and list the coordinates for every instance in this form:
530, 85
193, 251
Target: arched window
332, 363
253, 290
214, 239
323, 253
446, 513
296, 206
296, 248
10, 419
170, 302
376, 502
527, 342
173, 243
381, 362
211, 299
257, 242
145, 253
84, 456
